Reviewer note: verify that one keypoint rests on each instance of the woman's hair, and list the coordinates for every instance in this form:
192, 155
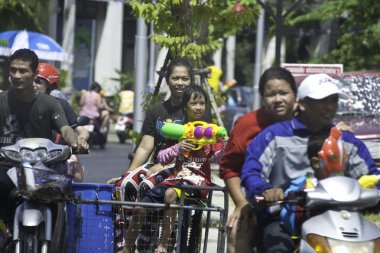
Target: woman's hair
96, 87
197, 90
277, 73
179, 62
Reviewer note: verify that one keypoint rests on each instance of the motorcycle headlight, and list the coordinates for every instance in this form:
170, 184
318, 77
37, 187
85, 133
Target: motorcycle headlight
318, 243
13, 155
351, 247
33, 156
329, 245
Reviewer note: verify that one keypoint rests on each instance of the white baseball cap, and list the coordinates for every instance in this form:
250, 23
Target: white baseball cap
319, 86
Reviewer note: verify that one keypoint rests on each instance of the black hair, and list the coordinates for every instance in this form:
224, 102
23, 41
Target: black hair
27, 55
277, 73
95, 86
179, 62
315, 142
197, 90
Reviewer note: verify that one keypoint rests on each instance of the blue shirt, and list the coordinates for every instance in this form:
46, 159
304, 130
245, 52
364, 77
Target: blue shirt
279, 154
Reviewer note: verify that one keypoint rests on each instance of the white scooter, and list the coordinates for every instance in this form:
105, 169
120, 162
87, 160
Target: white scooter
339, 227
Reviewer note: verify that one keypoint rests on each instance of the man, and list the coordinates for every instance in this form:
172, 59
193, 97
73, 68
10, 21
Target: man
279, 153
25, 113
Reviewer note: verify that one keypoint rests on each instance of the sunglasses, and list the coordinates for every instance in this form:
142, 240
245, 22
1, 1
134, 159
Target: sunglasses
40, 81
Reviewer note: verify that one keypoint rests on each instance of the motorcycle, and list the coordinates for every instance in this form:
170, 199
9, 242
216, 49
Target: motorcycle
123, 125
40, 171
97, 137
41, 190
338, 225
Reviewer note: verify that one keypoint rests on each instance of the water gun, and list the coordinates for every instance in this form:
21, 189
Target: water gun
199, 132
228, 85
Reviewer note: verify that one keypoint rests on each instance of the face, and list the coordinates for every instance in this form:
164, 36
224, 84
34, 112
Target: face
40, 84
195, 107
319, 113
21, 75
278, 99
178, 80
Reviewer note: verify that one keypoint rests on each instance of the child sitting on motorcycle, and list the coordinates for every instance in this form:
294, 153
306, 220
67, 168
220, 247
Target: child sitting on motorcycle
190, 169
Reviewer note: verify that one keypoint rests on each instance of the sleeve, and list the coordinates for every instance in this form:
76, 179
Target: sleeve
57, 114
217, 149
258, 157
166, 156
149, 125
360, 161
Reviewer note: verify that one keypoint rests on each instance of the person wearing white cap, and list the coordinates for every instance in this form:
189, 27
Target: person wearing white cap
278, 154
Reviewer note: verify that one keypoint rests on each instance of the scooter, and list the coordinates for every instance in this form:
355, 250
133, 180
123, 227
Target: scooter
123, 125
339, 226
38, 172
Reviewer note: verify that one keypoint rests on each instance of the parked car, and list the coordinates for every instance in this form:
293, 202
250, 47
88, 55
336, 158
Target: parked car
239, 102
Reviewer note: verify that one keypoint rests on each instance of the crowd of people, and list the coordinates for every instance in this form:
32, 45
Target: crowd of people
267, 148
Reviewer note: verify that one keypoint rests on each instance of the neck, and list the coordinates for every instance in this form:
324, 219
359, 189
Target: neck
310, 124
175, 101
25, 95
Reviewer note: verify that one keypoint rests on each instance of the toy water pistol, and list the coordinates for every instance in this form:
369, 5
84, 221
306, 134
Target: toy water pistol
228, 85
199, 132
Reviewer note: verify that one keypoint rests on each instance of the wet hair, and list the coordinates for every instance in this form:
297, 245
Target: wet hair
315, 142
26, 55
95, 86
179, 62
277, 73
197, 90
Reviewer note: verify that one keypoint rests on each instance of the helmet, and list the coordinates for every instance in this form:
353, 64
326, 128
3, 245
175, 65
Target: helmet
48, 72
332, 153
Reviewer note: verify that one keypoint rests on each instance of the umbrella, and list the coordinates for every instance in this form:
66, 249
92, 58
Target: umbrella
45, 47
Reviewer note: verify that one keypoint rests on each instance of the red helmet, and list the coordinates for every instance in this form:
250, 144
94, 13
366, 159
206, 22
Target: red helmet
333, 153
48, 72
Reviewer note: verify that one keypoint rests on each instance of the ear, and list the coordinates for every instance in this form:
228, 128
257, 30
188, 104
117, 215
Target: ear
314, 162
301, 105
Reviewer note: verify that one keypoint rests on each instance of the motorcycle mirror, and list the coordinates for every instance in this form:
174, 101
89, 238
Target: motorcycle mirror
83, 120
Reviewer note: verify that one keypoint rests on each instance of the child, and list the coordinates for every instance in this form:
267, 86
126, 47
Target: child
193, 169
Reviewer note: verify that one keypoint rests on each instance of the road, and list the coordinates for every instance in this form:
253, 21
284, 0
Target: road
100, 165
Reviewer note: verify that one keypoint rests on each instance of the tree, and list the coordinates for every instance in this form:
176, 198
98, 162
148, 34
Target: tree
191, 28
20, 14
358, 34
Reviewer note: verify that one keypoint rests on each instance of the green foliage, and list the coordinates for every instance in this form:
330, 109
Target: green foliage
21, 14
358, 40
193, 29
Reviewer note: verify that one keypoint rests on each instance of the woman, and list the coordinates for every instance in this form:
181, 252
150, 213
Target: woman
190, 169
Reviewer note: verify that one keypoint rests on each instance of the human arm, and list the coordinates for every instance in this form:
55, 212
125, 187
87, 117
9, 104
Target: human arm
69, 136
83, 136
143, 152
259, 156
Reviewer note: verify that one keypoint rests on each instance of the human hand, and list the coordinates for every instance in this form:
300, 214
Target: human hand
273, 195
235, 216
112, 180
82, 144
342, 126
187, 145
155, 168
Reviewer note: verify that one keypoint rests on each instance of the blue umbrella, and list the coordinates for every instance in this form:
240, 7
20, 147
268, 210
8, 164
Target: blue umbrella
45, 47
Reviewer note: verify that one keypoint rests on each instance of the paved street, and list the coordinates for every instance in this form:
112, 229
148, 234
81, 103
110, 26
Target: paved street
101, 165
